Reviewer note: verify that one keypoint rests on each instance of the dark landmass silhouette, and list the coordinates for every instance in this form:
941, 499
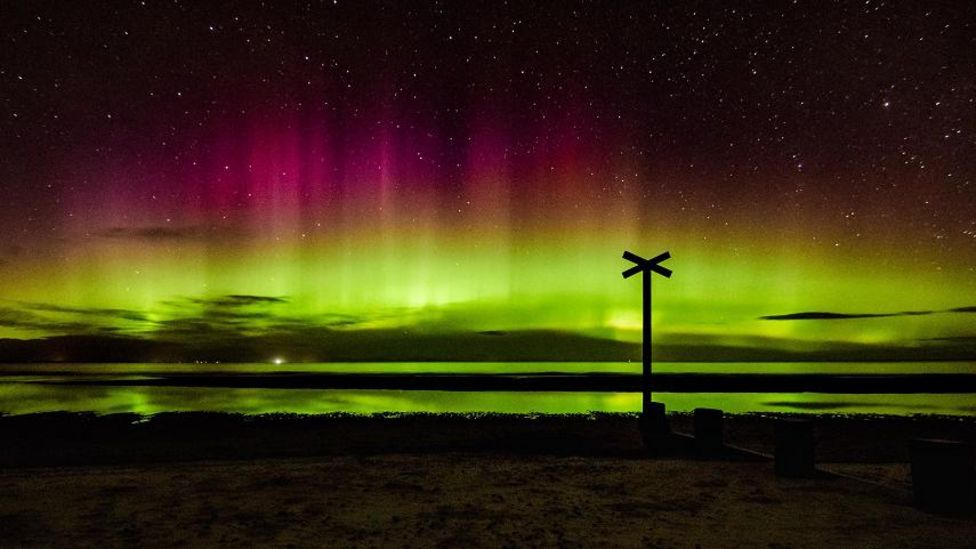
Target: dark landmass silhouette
552, 381
397, 345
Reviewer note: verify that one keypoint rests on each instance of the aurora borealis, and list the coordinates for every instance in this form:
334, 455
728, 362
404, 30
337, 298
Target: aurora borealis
183, 172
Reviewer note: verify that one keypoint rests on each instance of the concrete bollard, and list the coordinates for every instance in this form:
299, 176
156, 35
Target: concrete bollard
708, 429
794, 443
943, 479
654, 423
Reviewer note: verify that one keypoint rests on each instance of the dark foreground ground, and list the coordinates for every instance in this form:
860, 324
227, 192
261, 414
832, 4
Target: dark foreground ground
452, 481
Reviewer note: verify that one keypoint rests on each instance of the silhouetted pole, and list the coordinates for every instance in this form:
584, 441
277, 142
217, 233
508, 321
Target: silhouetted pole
646, 345
645, 266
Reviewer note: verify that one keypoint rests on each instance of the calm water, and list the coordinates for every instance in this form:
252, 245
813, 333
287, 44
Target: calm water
28, 388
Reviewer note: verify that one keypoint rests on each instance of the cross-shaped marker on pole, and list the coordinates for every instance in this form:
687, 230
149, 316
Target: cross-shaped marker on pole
646, 266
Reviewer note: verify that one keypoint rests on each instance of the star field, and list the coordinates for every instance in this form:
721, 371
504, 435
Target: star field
385, 156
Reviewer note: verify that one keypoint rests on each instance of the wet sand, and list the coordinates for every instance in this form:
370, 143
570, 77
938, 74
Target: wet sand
428, 481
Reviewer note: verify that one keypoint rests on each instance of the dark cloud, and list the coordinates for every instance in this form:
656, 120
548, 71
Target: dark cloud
10, 316
242, 300
150, 234
831, 316
227, 315
25, 320
243, 315
237, 322
125, 314
812, 405
231, 314
818, 315
829, 405
229, 301
61, 320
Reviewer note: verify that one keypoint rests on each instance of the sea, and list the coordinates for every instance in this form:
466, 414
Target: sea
130, 388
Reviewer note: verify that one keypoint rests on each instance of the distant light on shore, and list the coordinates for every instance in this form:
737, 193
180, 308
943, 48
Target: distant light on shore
278, 360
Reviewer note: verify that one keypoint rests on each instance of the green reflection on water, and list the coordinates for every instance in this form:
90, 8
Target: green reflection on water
19, 396
501, 368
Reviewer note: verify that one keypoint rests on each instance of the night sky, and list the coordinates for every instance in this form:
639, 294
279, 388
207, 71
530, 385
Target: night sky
194, 170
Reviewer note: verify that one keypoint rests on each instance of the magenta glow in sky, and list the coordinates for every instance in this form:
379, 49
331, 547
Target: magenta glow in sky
482, 167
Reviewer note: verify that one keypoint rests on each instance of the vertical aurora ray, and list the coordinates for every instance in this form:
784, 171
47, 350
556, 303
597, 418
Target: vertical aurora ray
373, 221
482, 171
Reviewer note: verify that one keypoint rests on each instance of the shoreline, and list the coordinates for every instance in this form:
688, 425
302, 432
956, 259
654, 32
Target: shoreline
66, 438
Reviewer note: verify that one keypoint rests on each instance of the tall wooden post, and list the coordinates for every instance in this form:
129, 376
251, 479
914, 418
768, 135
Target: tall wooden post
646, 346
646, 267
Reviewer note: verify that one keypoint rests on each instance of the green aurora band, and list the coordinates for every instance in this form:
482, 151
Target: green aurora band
219, 186
448, 283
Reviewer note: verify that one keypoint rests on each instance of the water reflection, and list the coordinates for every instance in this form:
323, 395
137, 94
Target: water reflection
19, 396
7, 370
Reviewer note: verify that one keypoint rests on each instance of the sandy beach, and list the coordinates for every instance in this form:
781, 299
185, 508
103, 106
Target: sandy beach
434, 481
457, 500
